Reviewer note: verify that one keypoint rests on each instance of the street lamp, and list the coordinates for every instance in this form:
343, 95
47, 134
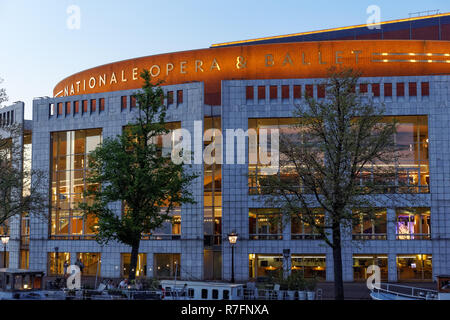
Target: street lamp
5, 240
232, 238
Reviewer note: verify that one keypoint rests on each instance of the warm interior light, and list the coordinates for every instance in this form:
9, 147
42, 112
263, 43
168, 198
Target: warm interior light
5, 239
232, 238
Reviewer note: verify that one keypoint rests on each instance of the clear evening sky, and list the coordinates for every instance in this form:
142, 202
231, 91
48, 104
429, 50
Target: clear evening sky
37, 49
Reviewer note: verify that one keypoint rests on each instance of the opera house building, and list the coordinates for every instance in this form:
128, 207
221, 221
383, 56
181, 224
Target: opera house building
251, 84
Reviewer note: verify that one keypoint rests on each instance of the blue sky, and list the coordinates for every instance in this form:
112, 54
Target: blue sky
38, 49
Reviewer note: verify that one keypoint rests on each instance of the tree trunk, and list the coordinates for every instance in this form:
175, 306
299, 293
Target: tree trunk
337, 259
133, 261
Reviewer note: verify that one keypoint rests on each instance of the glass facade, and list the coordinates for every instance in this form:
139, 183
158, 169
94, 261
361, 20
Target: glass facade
301, 230
265, 224
370, 226
69, 168
310, 266
166, 265
265, 265
57, 263
141, 267
362, 262
414, 267
263, 166
413, 224
91, 262
212, 200
24, 259
170, 230
411, 166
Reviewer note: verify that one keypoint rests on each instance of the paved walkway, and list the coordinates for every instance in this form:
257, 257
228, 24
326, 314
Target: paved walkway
359, 290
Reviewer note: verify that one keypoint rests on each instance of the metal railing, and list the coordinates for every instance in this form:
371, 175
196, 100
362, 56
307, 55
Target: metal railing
269, 236
413, 236
408, 292
112, 294
274, 294
369, 236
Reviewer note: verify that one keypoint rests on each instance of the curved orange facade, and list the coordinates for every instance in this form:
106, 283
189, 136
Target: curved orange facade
269, 61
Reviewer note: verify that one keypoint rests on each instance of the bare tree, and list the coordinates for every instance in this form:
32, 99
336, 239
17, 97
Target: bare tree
17, 194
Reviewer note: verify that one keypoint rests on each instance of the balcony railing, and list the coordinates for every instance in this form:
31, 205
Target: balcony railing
413, 236
266, 237
161, 237
71, 237
369, 236
305, 236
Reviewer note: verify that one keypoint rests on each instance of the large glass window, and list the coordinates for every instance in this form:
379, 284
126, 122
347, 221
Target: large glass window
309, 266
166, 265
302, 230
24, 259
411, 166
370, 225
58, 263
264, 166
70, 166
141, 267
414, 267
413, 224
362, 262
265, 265
212, 186
4, 259
91, 262
170, 230
265, 224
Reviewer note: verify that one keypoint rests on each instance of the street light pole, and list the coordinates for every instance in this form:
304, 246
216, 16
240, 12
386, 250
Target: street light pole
5, 240
232, 263
232, 238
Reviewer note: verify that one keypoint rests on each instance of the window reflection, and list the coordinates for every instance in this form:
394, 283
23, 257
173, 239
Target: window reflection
265, 224
413, 224
411, 164
166, 265
141, 267
265, 265
302, 230
58, 263
369, 225
362, 262
70, 150
91, 262
309, 266
414, 267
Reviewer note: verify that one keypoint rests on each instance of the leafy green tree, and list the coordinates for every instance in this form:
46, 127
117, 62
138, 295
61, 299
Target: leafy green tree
131, 169
337, 142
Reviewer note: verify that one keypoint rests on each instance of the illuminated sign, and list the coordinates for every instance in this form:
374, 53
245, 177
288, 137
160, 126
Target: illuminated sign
272, 61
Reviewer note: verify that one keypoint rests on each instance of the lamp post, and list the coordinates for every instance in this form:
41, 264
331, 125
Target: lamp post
5, 240
232, 238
